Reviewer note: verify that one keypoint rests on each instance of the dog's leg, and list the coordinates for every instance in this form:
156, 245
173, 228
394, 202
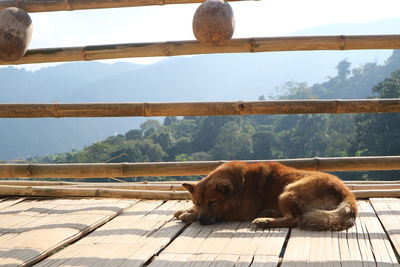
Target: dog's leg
290, 210
286, 221
188, 215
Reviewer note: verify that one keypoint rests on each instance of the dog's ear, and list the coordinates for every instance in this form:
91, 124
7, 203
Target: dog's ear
188, 187
224, 187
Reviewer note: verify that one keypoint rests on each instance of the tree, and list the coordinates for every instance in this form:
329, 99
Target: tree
264, 144
149, 127
205, 137
164, 139
343, 69
232, 143
181, 146
307, 138
126, 152
170, 120
150, 150
134, 134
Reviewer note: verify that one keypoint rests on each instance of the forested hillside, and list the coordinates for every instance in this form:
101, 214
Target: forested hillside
268, 136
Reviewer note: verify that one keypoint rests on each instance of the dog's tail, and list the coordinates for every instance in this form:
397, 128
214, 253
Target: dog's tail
341, 218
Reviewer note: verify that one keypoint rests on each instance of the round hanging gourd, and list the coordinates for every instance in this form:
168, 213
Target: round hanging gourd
15, 33
213, 22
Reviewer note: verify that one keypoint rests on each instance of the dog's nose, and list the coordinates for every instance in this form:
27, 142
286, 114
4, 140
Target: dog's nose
203, 219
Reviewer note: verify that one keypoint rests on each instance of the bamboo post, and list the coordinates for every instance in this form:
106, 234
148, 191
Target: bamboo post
69, 5
179, 48
335, 106
96, 170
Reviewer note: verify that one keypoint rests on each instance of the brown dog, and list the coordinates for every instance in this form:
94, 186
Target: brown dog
272, 195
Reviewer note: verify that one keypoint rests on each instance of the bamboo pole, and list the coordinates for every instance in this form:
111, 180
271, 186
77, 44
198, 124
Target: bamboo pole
377, 185
37, 183
377, 193
361, 182
131, 185
69, 5
49, 191
358, 187
96, 170
178, 48
336, 106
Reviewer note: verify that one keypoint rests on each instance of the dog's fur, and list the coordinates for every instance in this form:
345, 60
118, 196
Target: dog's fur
272, 195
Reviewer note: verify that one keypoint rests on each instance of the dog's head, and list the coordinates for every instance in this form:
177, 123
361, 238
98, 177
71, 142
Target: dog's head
216, 196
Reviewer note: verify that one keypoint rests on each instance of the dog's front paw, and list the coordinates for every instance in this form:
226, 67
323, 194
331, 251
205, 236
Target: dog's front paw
263, 222
179, 213
188, 217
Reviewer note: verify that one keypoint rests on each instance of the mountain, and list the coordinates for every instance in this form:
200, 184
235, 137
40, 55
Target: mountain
221, 77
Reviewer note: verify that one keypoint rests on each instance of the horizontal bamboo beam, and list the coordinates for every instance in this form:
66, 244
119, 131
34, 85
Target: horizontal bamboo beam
377, 193
96, 170
335, 106
70, 5
376, 185
49, 191
372, 182
131, 186
357, 187
179, 48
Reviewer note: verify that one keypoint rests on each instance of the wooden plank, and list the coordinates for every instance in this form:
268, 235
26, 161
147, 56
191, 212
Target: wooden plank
388, 211
10, 202
375, 239
269, 249
33, 229
131, 239
185, 248
297, 249
224, 244
365, 244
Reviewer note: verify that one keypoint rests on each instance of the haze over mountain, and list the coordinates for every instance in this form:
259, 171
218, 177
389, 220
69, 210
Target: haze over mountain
222, 77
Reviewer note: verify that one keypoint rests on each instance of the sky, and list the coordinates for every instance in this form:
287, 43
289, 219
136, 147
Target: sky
174, 22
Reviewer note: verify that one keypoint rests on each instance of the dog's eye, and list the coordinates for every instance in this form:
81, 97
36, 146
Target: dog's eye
212, 203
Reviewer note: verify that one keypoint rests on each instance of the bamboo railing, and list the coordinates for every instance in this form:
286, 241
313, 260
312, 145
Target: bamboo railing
172, 185
175, 192
336, 106
97, 170
69, 5
177, 48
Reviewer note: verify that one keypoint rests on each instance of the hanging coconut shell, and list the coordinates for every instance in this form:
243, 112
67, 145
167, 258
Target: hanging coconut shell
15, 33
213, 22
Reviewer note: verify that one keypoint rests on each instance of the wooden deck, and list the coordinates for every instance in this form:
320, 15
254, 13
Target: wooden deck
113, 232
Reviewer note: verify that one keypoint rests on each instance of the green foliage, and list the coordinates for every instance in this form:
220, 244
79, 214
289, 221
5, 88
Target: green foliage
379, 134
233, 142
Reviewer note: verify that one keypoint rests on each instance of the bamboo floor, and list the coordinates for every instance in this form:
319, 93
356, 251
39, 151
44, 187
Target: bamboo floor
121, 232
